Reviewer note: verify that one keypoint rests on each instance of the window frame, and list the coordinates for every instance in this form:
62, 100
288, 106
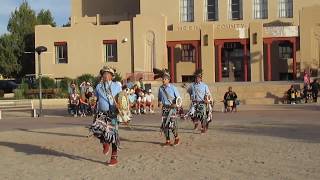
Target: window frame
285, 8
231, 11
285, 50
186, 10
188, 54
61, 48
260, 9
110, 44
215, 11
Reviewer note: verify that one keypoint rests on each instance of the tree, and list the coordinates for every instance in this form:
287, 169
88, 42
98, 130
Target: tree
44, 17
21, 25
8, 60
22, 21
14, 56
68, 24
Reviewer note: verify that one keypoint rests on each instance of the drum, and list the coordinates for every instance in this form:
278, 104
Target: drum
293, 96
230, 103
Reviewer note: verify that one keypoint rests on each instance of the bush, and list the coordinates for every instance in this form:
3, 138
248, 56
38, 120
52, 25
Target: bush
85, 77
117, 77
47, 83
20, 92
1, 93
65, 83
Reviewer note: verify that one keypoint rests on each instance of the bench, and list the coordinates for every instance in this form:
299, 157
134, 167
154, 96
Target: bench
46, 93
17, 105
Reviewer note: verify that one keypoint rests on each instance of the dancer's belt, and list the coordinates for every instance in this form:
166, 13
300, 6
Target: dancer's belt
109, 113
169, 106
198, 102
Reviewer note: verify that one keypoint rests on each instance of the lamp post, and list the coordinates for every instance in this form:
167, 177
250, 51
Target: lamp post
39, 50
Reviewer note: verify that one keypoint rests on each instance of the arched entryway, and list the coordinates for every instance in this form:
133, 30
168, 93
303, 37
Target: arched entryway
150, 57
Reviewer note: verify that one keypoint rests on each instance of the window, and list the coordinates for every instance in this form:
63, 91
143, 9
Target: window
187, 53
110, 51
61, 52
285, 50
186, 10
212, 13
260, 9
235, 9
285, 8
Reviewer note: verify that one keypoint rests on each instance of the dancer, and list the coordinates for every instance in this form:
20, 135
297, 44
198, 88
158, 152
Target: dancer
169, 99
105, 125
201, 103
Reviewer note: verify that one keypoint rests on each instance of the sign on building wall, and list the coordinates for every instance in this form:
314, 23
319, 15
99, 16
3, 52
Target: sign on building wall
281, 31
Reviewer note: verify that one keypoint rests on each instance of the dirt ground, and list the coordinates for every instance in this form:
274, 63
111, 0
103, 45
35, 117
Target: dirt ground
245, 145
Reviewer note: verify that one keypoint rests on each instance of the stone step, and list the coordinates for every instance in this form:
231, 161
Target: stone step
261, 101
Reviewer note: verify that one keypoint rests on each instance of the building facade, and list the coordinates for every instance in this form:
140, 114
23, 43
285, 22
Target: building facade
231, 40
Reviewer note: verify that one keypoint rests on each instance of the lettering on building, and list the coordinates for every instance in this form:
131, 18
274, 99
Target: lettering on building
230, 26
188, 28
281, 31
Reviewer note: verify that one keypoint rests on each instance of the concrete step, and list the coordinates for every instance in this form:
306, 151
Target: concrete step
261, 101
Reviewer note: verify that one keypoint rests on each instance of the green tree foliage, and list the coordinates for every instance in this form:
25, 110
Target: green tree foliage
21, 24
45, 17
47, 83
85, 77
117, 77
16, 49
9, 64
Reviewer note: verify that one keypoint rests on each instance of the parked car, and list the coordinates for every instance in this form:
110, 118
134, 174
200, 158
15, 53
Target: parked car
8, 85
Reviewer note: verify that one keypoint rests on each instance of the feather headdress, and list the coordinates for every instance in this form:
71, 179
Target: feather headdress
158, 73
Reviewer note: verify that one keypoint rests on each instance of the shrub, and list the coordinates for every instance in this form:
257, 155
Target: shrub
1, 93
117, 77
47, 83
65, 83
20, 92
85, 77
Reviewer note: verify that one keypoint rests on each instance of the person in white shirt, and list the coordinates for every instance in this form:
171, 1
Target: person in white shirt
149, 97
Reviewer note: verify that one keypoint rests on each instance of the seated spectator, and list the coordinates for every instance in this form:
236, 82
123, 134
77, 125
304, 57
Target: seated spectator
141, 103
229, 99
292, 95
149, 97
315, 90
129, 83
133, 101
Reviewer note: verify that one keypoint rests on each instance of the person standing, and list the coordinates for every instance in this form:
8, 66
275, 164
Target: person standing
200, 99
315, 90
105, 125
168, 96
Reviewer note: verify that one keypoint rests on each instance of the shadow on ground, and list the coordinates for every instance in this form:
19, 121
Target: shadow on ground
51, 133
29, 149
309, 133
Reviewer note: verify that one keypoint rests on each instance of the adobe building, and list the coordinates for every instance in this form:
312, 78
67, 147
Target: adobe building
231, 40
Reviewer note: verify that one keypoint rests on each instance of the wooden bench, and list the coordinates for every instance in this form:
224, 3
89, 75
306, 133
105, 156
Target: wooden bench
17, 105
46, 93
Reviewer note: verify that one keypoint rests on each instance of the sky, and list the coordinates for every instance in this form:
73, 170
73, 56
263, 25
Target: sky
60, 9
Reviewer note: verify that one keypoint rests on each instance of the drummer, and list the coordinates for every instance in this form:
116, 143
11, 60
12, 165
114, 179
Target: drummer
230, 97
292, 95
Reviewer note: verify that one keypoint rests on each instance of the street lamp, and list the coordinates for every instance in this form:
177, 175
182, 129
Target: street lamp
39, 50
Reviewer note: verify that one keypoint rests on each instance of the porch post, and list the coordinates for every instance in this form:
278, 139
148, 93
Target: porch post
172, 62
269, 43
294, 49
196, 54
220, 62
245, 59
